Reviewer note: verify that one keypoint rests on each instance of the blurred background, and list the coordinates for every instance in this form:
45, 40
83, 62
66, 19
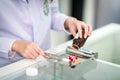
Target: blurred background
95, 12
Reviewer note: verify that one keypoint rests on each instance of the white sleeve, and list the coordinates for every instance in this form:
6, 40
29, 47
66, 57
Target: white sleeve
5, 46
58, 19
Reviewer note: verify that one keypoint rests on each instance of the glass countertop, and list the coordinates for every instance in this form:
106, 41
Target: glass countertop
55, 70
87, 70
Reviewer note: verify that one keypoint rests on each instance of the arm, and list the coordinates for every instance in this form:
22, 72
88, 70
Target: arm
61, 22
28, 50
58, 18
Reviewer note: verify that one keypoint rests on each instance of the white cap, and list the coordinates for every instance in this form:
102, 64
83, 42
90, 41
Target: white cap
31, 71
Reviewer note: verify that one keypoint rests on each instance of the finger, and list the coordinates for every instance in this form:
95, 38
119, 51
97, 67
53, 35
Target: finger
40, 51
30, 55
89, 29
43, 53
25, 55
37, 49
73, 29
85, 27
79, 28
34, 52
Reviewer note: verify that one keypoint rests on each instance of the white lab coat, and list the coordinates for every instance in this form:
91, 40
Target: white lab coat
27, 21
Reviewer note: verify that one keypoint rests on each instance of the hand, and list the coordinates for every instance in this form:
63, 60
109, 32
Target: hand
74, 25
28, 50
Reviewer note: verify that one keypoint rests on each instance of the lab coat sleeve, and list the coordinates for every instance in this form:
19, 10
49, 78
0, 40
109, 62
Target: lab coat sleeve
58, 18
5, 47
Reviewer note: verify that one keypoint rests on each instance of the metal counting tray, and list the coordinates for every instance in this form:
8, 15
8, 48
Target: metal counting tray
82, 54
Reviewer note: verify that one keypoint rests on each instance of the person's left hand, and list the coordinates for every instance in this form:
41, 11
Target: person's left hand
74, 25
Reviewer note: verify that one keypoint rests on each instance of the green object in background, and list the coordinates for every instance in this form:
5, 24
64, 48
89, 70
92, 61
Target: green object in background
46, 7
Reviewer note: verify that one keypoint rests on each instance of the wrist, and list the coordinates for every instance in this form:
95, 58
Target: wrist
15, 45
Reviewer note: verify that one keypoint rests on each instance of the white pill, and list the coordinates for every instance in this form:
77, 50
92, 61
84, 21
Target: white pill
65, 59
31, 71
76, 36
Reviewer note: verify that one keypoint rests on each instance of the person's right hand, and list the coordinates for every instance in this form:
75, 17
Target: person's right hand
29, 50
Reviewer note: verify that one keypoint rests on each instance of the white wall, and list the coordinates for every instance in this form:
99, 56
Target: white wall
89, 12
107, 11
